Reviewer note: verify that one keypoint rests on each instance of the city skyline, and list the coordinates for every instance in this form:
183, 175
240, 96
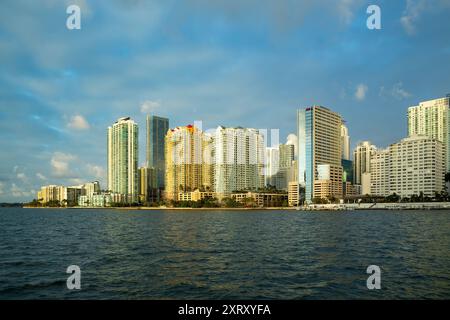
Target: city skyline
57, 100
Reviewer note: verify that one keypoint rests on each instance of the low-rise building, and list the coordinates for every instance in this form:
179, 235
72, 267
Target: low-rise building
293, 194
196, 195
328, 182
96, 200
261, 199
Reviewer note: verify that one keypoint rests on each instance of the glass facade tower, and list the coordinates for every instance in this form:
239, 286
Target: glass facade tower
157, 128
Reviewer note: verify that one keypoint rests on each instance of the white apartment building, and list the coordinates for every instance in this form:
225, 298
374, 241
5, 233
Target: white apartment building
361, 161
379, 173
91, 188
432, 118
417, 165
123, 158
345, 142
64, 195
238, 159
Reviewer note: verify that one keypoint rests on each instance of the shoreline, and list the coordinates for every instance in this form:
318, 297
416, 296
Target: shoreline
164, 208
425, 206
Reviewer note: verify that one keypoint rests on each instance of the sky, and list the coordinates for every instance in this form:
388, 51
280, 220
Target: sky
249, 63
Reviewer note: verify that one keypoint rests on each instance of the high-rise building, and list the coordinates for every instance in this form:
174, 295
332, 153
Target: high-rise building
157, 128
123, 158
286, 163
64, 196
292, 172
432, 118
410, 167
319, 143
147, 183
347, 170
379, 173
287, 155
188, 156
417, 165
238, 160
361, 161
49, 193
91, 188
345, 142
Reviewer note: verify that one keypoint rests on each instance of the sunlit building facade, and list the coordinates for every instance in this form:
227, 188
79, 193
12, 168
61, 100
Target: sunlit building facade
188, 156
319, 143
361, 165
417, 166
345, 142
239, 156
123, 158
432, 118
379, 173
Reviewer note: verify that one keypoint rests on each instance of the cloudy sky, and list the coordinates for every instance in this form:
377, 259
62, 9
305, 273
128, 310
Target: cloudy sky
249, 63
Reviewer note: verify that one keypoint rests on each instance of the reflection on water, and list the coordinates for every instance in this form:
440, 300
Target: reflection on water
223, 255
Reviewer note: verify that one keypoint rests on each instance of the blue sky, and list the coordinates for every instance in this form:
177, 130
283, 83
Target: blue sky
249, 63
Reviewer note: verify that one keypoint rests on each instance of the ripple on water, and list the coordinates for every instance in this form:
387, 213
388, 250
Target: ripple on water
223, 255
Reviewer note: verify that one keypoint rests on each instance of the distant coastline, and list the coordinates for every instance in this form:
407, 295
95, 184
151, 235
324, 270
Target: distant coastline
162, 208
318, 207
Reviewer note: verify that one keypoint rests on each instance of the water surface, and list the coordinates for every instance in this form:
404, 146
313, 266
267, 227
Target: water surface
223, 255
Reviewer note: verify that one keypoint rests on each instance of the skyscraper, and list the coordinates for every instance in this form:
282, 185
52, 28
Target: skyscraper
123, 158
146, 179
188, 161
361, 165
238, 159
432, 118
91, 188
345, 142
157, 128
319, 144
287, 155
286, 163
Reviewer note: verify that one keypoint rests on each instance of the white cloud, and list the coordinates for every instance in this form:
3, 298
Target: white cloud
76, 181
361, 92
411, 15
397, 91
78, 123
150, 106
18, 192
84, 7
400, 93
60, 164
345, 10
96, 171
41, 176
22, 176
